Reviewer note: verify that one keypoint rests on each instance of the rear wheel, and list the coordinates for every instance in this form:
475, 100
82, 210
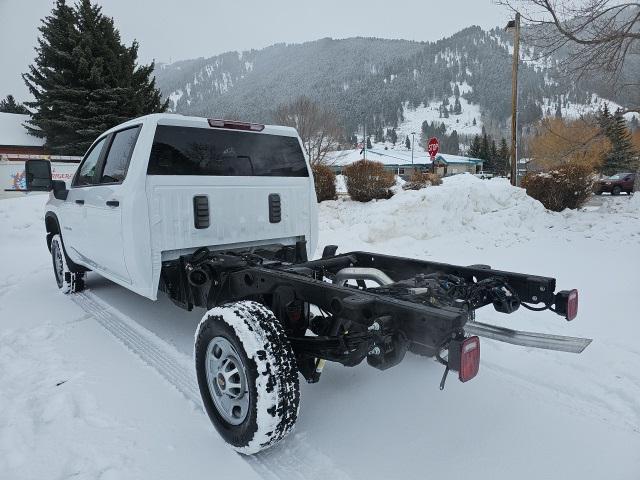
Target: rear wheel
616, 190
247, 375
68, 281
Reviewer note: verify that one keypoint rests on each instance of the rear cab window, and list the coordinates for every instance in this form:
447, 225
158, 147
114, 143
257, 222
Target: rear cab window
181, 150
119, 155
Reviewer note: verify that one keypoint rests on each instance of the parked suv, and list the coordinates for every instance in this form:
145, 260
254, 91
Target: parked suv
615, 184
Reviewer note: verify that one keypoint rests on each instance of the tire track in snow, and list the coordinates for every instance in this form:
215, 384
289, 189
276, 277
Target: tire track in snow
294, 458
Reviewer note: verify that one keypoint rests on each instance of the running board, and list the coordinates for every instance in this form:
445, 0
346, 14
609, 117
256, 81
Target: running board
528, 339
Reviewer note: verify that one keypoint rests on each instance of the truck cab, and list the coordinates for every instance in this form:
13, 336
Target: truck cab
161, 186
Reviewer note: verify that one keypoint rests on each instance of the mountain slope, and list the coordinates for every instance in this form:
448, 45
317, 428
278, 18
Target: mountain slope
373, 79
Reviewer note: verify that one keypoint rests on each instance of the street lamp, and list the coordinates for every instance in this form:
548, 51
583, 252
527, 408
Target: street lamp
514, 25
413, 141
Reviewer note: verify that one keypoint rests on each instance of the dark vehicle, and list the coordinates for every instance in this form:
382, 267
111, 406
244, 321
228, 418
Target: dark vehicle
616, 184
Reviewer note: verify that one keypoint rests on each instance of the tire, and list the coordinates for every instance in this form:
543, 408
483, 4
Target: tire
616, 190
598, 192
247, 375
68, 281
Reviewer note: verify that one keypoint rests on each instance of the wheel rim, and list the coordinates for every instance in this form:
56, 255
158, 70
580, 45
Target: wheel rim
58, 264
227, 381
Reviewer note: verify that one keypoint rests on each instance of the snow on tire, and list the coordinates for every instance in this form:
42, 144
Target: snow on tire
68, 281
247, 375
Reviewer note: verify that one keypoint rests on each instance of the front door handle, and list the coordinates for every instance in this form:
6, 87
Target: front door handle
80, 202
113, 203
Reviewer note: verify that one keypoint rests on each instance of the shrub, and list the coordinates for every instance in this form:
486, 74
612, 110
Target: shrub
325, 183
367, 180
568, 186
419, 180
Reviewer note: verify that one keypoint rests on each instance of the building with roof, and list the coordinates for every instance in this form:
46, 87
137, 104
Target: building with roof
16, 146
401, 163
15, 138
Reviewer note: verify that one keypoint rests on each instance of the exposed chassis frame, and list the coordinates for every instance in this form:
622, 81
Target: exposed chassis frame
356, 323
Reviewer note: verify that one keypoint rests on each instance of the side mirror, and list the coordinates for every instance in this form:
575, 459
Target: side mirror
59, 189
38, 175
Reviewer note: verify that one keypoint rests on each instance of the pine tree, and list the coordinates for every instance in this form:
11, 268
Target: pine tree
502, 166
621, 156
85, 80
633, 124
407, 143
476, 147
456, 91
558, 111
9, 105
392, 136
457, 108
474, 121
369, 143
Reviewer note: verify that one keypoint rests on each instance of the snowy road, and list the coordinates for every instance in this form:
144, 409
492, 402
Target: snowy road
128, 407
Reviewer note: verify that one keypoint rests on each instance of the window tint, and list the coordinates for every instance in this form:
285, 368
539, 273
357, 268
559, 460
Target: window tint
117, 162
205, 151
88, 166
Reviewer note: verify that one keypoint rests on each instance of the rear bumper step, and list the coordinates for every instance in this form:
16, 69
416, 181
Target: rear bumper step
528, 339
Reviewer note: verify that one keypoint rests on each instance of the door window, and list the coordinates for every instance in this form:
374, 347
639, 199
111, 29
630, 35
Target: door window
87, 170
117, 162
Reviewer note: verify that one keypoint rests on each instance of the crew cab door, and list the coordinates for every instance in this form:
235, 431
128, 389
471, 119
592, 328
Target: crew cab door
103, 203
72, 213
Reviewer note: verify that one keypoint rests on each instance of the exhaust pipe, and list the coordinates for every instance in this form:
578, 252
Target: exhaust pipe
528, 339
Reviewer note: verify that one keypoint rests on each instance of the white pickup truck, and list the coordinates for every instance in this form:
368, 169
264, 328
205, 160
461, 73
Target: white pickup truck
222, 215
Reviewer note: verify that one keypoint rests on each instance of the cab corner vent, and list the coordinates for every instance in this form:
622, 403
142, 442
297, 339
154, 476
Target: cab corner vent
275, 208
201, 211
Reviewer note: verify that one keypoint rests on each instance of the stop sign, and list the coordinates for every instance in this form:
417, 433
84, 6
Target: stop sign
433, 147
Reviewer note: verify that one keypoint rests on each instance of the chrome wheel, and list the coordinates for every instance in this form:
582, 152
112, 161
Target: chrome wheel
227, 380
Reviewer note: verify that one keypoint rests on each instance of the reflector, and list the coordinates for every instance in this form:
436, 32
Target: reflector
469, 359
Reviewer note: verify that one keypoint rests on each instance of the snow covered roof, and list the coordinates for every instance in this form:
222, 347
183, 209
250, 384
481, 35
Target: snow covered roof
13, 133
395, 157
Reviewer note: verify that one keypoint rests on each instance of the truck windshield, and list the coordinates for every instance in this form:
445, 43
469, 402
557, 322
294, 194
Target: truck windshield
205, 151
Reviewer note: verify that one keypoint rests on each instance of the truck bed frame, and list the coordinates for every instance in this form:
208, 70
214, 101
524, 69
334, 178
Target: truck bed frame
396, 304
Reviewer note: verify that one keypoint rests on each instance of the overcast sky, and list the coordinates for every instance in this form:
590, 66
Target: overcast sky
170, 30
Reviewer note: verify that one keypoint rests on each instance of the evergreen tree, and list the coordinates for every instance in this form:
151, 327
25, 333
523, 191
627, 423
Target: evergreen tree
369, 143
392, 136
502, 166
558, 111
84, 80
474, 121
621, 156
456, 91
633, 124
454, 144
9, 105
407, 143
457, 108
476, 147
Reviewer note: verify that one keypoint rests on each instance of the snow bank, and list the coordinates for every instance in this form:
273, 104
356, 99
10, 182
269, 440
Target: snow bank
464, 206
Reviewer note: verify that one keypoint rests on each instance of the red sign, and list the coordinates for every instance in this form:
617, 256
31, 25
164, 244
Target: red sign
433, 147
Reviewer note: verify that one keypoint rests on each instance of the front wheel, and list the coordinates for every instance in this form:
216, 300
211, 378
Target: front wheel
68, 281
247, 375
616, 190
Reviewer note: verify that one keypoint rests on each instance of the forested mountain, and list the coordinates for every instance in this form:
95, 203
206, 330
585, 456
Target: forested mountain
374, 80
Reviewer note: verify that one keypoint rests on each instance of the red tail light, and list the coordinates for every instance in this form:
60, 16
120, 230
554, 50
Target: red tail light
566, 303
233, 125
572, 305
469, 359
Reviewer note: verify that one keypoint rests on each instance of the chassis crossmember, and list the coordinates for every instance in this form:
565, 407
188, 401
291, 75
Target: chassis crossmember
362, 305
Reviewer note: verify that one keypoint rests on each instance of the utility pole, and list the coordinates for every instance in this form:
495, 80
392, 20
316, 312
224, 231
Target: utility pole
413, 141
515, 25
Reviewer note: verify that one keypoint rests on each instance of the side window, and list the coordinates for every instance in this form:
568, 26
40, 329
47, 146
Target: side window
88, 166
117, 162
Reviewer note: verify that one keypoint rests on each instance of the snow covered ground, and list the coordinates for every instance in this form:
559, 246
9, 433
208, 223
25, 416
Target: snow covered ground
100, 385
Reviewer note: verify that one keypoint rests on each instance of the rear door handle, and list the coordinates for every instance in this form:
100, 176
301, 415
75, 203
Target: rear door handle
80, 202
113, 203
